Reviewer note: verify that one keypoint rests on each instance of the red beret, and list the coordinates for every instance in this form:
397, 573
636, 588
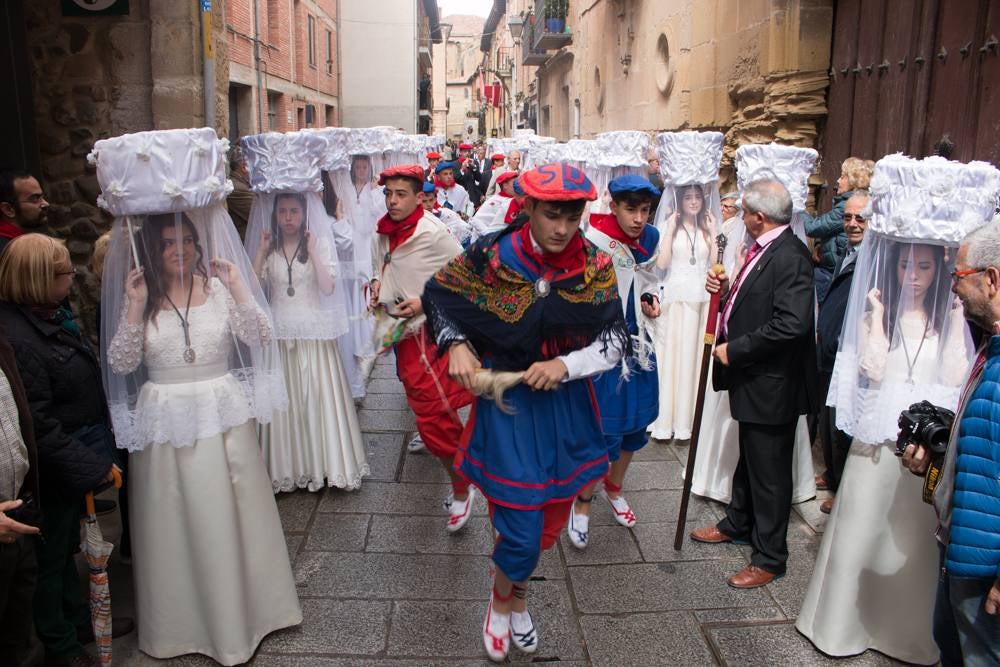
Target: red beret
465, 147
433, 155
506, 176
497, 156
414, 171
557, 182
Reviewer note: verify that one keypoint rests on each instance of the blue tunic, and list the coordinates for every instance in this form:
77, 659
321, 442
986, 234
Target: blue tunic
549, 449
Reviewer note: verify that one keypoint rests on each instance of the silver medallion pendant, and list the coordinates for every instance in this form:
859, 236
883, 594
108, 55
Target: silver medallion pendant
290, 291
692, 261
542, 287
189, 355
387, 258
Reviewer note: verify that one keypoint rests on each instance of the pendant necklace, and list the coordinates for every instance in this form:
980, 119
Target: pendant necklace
189, 355
911, 364
690, 239
288, 262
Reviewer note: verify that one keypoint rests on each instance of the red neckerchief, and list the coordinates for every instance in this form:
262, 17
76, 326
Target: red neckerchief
607, 223
399, 232
8, 230
569, 258
439, 183
512, 210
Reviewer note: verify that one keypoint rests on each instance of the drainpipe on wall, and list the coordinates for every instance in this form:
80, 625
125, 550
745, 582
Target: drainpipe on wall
208, 70
256, 67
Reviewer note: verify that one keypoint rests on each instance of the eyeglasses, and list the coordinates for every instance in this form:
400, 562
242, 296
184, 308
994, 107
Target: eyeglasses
957, 275
853, 216
731, 207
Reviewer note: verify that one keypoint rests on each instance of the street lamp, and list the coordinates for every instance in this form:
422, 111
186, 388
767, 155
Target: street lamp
516, 25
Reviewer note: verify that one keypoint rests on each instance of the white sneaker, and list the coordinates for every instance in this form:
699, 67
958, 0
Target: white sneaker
621, 509
578, 528
496, 633
522, 632
460, 511
416, 444
448, 501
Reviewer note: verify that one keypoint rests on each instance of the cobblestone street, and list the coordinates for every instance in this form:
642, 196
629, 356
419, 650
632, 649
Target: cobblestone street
382, 583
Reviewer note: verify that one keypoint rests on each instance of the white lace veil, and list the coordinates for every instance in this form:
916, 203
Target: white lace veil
689, 167
789, 165
167, 191
905, 338
614, 154
284, 173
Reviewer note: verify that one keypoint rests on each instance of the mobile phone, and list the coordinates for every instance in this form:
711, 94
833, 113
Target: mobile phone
28, 513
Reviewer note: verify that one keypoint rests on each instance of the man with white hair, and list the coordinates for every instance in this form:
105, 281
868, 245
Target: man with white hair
513, 164
766, 360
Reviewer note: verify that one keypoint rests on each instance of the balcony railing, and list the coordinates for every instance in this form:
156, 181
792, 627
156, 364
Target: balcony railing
531, 54
550, 24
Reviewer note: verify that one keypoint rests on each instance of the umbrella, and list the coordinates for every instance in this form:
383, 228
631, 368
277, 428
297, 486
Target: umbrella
97, 552
711, 329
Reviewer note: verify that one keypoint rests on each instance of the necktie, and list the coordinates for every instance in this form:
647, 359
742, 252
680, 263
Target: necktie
751, 253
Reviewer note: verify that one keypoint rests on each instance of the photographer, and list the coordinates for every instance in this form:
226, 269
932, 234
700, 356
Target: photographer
967, 495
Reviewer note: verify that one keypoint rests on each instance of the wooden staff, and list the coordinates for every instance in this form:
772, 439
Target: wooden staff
711, 329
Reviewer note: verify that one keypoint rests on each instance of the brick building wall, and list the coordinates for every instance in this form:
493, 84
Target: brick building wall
291, 77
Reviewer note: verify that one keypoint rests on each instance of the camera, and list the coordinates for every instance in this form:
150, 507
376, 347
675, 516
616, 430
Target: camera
926, 424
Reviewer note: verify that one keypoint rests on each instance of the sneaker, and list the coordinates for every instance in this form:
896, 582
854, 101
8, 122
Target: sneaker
415, 445
578, 528
460, 511
496, 634
522, 632
621, 509
449, 501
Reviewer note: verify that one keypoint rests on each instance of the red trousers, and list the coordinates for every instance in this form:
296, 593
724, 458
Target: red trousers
433, 396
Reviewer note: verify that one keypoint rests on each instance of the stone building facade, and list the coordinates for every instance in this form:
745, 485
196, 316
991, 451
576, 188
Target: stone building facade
289, 49
755, 69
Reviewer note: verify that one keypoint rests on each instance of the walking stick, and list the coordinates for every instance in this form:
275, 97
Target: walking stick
711, 328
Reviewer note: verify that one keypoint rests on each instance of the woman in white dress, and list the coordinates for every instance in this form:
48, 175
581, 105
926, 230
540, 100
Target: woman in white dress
211, 567
873, 584
687, 248
189, 367
317, 441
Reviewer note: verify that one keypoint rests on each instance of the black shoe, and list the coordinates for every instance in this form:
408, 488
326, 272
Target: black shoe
120, 626
82, 660
102, 506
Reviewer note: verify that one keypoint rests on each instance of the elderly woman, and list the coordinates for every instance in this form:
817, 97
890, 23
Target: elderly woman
828, 229
75, 446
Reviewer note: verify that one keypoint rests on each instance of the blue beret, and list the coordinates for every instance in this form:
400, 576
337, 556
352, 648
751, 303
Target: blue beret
517, 187
444, 165
632, 183
429, 187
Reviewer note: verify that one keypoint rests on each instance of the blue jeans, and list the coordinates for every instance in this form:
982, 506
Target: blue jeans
964, 632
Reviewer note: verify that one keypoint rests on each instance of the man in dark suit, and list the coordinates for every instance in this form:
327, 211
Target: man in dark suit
766, 359
829, 326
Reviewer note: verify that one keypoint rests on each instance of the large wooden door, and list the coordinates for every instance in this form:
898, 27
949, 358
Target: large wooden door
916, 77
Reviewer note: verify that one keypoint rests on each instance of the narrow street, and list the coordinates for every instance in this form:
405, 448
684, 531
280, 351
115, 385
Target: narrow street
382, 583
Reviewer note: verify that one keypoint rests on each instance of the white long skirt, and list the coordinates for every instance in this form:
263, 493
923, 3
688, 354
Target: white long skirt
211, 567
875, 578
678, 338
356, 344
719, 454
317, 440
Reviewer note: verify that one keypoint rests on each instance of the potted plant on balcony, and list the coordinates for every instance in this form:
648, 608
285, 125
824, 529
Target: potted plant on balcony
555, 15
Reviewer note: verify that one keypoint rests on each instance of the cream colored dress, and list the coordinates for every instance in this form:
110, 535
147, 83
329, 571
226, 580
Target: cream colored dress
873, 586
678, 337
317, 441
211, 567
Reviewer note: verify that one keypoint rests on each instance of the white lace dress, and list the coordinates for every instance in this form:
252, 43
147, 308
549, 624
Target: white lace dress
678, 336
873, 586
317, 441
211, 568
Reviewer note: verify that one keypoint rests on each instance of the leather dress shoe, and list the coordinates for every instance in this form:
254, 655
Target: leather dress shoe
752, 577
826, 506
821, 484
712, 535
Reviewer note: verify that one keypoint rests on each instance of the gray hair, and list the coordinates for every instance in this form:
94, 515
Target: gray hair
984, 245
732, 195
769, 197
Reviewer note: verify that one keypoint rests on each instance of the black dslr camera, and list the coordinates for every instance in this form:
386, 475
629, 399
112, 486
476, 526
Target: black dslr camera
928, 425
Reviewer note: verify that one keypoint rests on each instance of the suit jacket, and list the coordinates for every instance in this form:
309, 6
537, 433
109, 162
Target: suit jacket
771, 377
830, 322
